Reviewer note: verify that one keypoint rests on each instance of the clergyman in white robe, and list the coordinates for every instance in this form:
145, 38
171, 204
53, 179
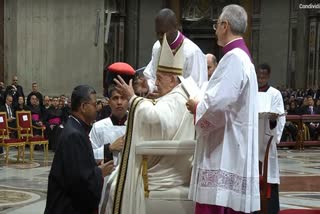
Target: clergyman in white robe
195, 63
164, 119
225, 171
277, 108
271, 127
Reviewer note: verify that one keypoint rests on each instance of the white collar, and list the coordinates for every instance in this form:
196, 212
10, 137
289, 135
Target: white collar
178, 34
233, 40
71, 116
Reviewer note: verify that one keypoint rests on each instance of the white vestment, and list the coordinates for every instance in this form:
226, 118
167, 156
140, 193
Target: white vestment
104, 132
226, 171
265, 132
195, 63
163, 119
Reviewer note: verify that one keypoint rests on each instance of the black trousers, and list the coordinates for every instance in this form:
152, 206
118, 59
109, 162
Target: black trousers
273, 202
53, 135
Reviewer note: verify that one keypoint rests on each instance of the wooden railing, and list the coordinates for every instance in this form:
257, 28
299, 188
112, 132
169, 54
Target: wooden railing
301, 140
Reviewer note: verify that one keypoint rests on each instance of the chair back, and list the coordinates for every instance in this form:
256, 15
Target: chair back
24, 124
4, 133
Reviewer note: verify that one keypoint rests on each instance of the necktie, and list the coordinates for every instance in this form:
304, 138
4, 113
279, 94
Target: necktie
311, 109
9, 112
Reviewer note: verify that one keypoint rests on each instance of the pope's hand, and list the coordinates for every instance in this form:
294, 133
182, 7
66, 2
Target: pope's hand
125, 89
191, 105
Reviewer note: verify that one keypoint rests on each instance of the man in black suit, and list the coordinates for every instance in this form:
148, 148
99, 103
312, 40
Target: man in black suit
7, 107
15, 91
75, 180
311, 109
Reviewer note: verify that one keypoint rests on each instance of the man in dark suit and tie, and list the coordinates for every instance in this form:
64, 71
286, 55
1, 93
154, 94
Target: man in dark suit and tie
7, 107
311, 109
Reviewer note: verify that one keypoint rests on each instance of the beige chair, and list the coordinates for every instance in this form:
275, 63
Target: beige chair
174, 200
25, 131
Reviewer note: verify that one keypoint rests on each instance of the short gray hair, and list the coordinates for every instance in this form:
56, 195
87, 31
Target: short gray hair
237, 18
81, 94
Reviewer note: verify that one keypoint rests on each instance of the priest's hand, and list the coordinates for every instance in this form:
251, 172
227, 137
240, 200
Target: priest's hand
107, 168
125, 89
191, 105
117, 145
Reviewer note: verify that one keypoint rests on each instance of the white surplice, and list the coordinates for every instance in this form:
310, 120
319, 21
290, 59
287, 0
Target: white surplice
226, 171
265, 132
165, 119
195, 63
96, 137
104, 132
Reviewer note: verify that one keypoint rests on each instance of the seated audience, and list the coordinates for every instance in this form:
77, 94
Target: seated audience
311, 109
8, 108
21, 105
35, 92
46, 102
66, 112
37, 114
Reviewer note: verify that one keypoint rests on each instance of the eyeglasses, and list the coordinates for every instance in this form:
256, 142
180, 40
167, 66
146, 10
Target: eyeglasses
215, 25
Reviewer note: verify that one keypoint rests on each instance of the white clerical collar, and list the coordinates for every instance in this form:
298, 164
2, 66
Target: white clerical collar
71, 116
178, 34
233, 40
